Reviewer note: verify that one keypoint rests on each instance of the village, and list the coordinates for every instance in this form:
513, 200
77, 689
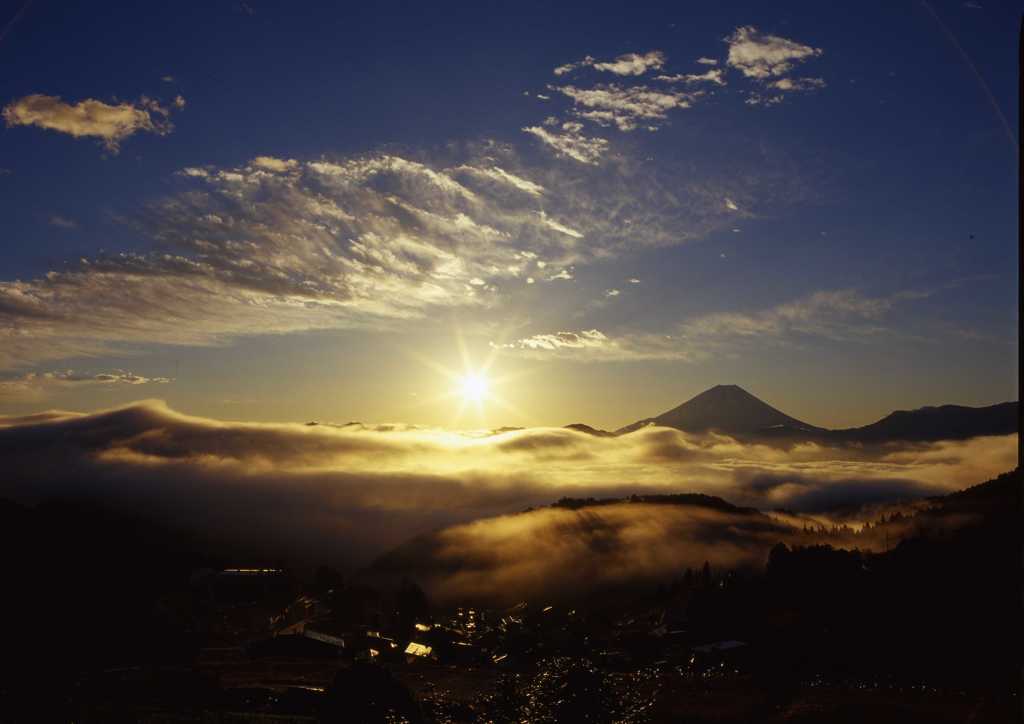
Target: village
272, 648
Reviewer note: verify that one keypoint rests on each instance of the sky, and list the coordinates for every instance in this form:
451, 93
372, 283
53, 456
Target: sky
274, 212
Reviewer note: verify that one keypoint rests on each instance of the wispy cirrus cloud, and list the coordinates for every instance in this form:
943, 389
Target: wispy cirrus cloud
797, 84
503, 177
63, 222
110, 123
715, 76
840, 315
584, 339
571, 142
593, 345
280, 246
559, 227
283, 245
774, 92
34, 385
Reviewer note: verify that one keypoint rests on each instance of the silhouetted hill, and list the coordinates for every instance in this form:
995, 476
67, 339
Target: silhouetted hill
580, 427
1002, 494
732, 410
579, 548
948, 422
97, 592
541, 552
948, 592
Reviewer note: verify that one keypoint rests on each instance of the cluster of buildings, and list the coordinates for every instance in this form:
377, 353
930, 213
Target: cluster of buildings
266, 613
268, 643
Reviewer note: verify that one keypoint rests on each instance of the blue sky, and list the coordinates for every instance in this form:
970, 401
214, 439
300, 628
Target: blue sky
817, 203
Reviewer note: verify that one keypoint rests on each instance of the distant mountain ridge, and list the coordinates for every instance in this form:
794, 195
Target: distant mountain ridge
946, 422
731, 410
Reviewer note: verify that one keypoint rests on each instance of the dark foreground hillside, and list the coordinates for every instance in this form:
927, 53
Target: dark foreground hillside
112, 619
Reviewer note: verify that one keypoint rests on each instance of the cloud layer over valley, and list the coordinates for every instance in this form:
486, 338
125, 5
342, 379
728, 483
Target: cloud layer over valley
348, 493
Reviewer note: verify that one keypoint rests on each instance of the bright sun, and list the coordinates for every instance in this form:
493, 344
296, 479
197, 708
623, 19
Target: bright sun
473, 387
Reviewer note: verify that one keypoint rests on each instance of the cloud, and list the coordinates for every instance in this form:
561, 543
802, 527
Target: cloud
502, 176
626, 107
560, 228
570, 67
797, 84
274, 165
595, 346
92, 118
585, 339
625, 65
34, 385
344, 494
633, 63
760, 99
715, 76
760, 56
279, 245
62, 222
834, 314
571, 142
766, 59
839, 315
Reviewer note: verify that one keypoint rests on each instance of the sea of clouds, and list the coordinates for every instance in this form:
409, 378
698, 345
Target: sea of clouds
346, 494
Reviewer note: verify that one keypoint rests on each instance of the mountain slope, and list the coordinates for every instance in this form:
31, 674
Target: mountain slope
725, 408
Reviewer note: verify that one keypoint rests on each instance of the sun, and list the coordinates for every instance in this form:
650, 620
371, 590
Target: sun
477, 389
473, 387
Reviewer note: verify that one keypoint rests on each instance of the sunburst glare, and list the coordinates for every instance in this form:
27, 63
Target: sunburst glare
474, 387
